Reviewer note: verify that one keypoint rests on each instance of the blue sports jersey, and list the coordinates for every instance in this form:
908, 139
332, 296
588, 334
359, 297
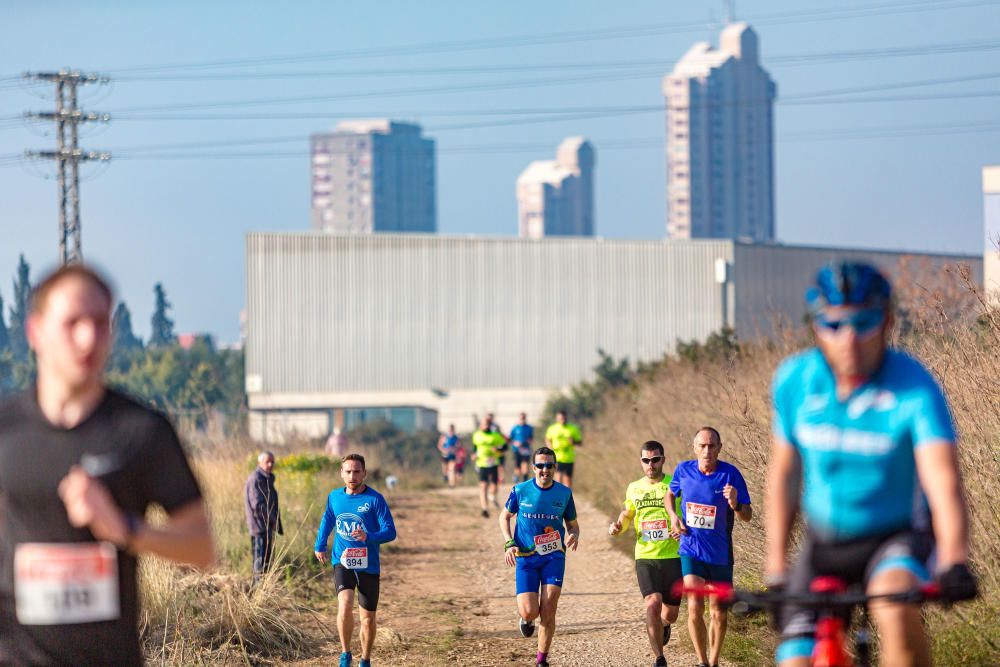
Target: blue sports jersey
345, 512
859, 472
521, 434
450, 442
540, 512
706, 512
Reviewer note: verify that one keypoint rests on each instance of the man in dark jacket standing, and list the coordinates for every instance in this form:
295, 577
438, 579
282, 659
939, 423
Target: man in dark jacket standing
263, 514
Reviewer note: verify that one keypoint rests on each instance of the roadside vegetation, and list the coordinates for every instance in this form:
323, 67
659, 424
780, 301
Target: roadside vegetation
943, 320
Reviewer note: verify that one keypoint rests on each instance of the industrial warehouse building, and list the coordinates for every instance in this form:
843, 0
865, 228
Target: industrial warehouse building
428, 330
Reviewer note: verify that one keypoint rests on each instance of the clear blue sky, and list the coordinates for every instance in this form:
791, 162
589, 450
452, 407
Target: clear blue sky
182, 220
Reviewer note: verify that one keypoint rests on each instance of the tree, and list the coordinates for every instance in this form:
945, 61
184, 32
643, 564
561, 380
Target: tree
162, 332
4, 336
125, 339
19, 311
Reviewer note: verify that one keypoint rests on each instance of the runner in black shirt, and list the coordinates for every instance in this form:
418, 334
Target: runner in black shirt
79, 465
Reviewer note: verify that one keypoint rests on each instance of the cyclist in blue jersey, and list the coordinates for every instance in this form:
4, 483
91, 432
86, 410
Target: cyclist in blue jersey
537, 546
712, 494
522, 437
362, 521
864, 442
448, 447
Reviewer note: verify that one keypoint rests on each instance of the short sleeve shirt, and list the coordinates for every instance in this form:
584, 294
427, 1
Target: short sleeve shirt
522, 435
487, 446
540, 512
144, 465
644, 499
564, 438
858, 465
706, 512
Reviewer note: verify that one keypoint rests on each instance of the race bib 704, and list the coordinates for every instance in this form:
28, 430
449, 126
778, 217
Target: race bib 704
60, 584
700, 516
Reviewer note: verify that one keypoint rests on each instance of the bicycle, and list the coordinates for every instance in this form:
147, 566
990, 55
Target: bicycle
830, 597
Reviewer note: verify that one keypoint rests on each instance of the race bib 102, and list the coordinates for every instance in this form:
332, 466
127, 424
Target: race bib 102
655, 531
355, 558
700, 516
548, 543
60, 584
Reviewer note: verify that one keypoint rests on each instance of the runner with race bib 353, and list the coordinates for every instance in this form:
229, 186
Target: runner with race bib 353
537, 548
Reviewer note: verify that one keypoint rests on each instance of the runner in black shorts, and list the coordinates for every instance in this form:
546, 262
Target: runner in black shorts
79, 466
657, 562
522, 437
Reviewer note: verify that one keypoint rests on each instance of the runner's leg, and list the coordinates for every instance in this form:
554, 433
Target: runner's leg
901, 631
654, 622
527, 606
367, 632
345, 618
720, 620
696, 621
547, 612
482, 495
451, 474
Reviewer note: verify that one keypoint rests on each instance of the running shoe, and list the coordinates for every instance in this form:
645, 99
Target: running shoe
365, 662
486, 514
346, 659
543, 663
666, 634
660, 662
527, 629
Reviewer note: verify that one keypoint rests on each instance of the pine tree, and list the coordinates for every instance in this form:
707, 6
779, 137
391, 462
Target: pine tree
162, 332
19, 311
125, 339
4, 336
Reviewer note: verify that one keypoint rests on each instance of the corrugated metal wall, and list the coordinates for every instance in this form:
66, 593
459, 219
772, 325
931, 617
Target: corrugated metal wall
770, 281
333, 313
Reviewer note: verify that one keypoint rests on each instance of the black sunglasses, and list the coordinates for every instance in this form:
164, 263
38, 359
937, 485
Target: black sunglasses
545, 466
655, 459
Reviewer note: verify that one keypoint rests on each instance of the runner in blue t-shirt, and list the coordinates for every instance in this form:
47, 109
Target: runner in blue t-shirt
712, 494
448, 447
362, 521
521, 438
537, 547
864, 442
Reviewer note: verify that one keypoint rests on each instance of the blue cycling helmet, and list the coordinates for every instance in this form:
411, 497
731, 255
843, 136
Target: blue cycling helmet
849, 284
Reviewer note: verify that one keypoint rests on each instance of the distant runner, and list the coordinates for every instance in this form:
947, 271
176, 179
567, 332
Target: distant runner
461, 457
712, 494
448, 446
502, 450
363, 522
487, 444
537, 548
564, 438
522, 438
657, 561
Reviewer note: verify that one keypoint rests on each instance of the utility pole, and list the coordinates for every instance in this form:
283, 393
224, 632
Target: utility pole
68, 154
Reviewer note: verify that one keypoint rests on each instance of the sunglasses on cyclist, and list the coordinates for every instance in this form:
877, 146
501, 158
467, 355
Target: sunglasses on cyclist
545, 466
863, 322
652, 459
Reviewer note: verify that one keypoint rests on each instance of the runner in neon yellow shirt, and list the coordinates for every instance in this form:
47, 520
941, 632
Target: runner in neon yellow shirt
564, 438
657, 561
487, 446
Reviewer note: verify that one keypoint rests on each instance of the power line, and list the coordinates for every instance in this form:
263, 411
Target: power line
68, 118
623, 32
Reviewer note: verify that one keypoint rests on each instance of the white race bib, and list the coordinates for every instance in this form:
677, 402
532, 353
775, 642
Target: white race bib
355, 558
700, 516
548, 543
655, 531
59, 584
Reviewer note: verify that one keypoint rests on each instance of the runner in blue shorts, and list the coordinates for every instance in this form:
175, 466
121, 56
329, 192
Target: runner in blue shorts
522, 438
537, 547
712, 493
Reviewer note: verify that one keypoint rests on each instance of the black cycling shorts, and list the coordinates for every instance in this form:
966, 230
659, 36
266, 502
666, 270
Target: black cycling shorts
566, 468
520, 458
489, 475
658, 575
854, 562
366, 584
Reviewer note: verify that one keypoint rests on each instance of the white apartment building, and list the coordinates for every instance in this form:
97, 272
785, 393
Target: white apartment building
373, 175
720, 143
556, 197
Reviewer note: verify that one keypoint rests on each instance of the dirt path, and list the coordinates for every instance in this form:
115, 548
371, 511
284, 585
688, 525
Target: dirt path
448, 598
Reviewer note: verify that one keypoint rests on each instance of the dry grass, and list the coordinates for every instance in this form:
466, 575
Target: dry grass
947, 324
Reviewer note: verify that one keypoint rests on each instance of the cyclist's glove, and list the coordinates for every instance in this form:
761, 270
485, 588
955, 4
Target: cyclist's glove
957, 583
